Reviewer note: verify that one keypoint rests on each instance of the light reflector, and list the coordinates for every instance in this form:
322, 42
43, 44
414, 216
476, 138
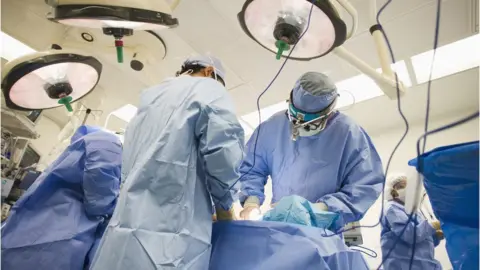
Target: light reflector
40, 80
261, 19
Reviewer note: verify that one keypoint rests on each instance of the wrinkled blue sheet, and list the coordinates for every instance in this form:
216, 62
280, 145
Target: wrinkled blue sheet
451, 181
264, 245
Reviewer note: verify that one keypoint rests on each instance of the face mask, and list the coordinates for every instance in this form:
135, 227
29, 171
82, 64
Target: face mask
401, 195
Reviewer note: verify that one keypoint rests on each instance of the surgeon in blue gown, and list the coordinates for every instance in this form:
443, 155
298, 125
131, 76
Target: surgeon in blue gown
313, 151
425, 238
54, 224
182, 150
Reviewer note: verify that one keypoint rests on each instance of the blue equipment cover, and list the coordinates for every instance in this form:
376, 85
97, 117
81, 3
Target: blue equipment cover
260, 245
451, 181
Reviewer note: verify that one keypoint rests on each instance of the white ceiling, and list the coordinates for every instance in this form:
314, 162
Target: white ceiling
210, 26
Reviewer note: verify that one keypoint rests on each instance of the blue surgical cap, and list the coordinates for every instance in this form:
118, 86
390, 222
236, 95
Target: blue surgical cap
208, 61
313, 92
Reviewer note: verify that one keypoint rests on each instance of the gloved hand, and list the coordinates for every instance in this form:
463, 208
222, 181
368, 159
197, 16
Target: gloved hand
439, 235
436, 225
320, 206
250, 208
222, 214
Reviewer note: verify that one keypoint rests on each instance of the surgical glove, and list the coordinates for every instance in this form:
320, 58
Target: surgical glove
436, 225
320, 206
251, 209
225, 214
439, 235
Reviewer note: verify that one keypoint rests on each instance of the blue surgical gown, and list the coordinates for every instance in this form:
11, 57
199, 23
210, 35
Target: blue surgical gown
182, 149
54, 224
339, 166
393, 222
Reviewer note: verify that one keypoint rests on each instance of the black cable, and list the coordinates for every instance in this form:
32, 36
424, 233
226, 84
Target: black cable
443, 128
407, 128
262, 93
396, 242
427, 115
435, 46
359, 249
414, 240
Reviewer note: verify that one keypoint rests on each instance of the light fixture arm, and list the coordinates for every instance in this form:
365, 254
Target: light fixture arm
353, 13
386, 80
174, 4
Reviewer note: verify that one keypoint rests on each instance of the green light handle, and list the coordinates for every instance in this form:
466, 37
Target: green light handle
119, 47
66, 102
281, 46
120, 54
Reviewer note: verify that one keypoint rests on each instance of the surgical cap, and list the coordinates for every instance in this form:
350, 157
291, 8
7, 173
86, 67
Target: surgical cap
208, 61
392, 180
313, 92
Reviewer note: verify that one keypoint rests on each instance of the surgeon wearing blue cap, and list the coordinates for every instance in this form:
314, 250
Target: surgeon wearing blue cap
313, 151
55, 224
182, 150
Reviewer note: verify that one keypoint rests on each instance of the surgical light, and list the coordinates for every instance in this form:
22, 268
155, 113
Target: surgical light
278, 25
309, 29
117, 18
45, 80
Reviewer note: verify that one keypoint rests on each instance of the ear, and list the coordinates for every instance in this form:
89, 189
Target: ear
208, 71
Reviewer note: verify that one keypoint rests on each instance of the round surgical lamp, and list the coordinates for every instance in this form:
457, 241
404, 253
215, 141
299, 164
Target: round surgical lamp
117, 18
45, 80
278, 26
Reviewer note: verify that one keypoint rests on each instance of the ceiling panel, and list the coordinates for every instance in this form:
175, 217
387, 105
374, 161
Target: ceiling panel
23, 24
449, 95
211, 26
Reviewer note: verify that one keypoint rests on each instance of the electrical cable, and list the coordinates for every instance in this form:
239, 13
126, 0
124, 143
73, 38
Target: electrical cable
435, 46
427, 116
362, 250
407, 129
263, 92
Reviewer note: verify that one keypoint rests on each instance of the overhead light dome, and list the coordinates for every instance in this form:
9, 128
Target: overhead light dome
49, 79
278, 25
117, 18
128, 14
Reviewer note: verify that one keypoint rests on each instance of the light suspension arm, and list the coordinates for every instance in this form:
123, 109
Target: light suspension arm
385, 80
353, 13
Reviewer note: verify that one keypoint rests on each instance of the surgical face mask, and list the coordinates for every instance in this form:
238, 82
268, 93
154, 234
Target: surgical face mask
401, 194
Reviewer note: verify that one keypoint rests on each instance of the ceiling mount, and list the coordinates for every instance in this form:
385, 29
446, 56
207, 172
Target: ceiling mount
118, 18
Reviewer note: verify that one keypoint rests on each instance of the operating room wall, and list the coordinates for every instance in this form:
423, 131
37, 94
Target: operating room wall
385, 142
48, 131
